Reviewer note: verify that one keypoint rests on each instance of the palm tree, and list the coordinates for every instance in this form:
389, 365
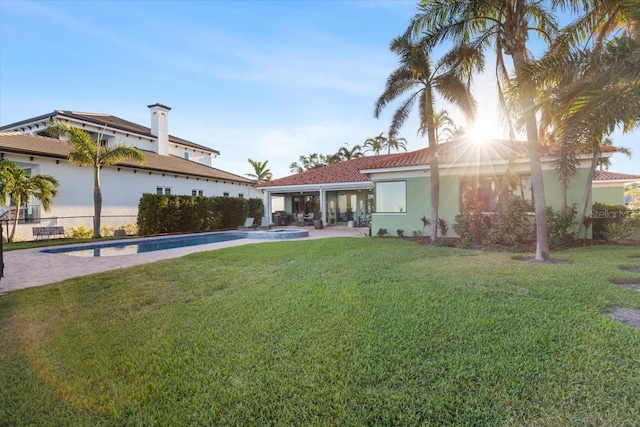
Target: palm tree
345, 153
504, 25
445, 128
87, 152
418, 77
375, 144
16, 184
592, 89
260, 171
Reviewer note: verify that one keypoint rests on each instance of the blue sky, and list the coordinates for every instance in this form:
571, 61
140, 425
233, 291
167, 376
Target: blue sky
267, 80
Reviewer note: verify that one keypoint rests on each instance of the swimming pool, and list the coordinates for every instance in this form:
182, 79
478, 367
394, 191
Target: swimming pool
129, 247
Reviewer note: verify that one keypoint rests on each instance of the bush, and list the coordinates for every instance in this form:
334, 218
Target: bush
618, 230
400, 232
511, 224
472, 225
603, 214
560, 226
443, 226
80, 233
382, 232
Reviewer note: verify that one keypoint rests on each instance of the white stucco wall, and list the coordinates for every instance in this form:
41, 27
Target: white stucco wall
121, 192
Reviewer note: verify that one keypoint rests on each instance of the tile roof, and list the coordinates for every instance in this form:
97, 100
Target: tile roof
18, 142
342, 172
108, 120
611, 176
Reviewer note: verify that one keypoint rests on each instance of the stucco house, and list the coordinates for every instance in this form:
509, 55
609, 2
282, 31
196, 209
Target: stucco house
173, 166
393, 191
608, 187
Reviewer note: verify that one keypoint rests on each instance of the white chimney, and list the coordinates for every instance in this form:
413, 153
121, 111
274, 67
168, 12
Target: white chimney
160, 126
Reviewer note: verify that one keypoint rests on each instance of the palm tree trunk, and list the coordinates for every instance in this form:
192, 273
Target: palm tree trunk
97, 203
533, 148
587, 193
434, 171
15, 220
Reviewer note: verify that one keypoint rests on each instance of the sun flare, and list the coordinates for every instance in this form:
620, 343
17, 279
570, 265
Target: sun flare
480, 133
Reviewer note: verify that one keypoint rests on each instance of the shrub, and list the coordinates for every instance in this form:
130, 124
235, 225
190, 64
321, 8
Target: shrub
511, 224
416, 233
618, 230
400, 232
472, 225
80, 233
603, 214
560, 226
382, 232
443, 226
106, 231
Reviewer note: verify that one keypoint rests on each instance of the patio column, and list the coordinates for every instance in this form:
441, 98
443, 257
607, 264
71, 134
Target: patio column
267, 205
323, 209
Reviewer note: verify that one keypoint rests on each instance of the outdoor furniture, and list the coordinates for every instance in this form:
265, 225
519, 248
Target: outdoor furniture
248, 224
299, 219
308, 218
47, 232
264, 224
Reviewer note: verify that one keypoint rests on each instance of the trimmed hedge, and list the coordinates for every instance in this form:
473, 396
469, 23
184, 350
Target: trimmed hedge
159, 213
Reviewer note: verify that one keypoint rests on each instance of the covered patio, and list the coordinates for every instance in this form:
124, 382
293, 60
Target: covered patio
332, 194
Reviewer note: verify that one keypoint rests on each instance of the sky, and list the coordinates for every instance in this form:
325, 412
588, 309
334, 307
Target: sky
266, 80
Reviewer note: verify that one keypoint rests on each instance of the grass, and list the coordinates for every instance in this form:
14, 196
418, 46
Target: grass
327, 332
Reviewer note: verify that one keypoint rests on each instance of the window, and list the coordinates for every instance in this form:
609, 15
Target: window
163, 190
197, 192
186, 155
391, 196
240, 195
225, 194
491, 191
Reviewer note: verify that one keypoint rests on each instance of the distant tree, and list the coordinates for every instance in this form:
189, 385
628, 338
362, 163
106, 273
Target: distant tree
380, 143
87, 152
375, 144
311, 161
346, 153
17, 184
260, 171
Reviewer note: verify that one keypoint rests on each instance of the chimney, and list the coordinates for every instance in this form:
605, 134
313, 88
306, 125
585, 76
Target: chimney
160, 126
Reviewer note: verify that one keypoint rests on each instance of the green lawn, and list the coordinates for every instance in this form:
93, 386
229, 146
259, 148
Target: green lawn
328, 332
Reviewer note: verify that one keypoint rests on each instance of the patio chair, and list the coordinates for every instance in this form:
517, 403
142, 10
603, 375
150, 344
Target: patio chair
299, 219
265, 224
308, 218
248, 225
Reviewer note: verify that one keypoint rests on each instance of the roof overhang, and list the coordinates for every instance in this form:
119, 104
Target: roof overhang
312, 188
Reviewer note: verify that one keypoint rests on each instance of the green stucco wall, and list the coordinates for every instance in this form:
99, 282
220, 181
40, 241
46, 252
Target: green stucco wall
611, 195
418, 202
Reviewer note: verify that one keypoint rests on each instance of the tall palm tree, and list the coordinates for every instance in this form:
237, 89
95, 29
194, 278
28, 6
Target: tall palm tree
346, 153
87, 152
418, 77
504, 25
18, 185
595, 86
260, 171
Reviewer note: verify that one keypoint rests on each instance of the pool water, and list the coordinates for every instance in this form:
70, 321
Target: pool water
148, 245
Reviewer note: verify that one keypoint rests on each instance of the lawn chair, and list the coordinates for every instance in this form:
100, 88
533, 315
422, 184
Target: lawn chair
265, 224
248, 225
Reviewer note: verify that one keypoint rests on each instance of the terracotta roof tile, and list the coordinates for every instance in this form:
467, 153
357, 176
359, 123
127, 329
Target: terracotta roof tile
342, 172
18, 142
611, 176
